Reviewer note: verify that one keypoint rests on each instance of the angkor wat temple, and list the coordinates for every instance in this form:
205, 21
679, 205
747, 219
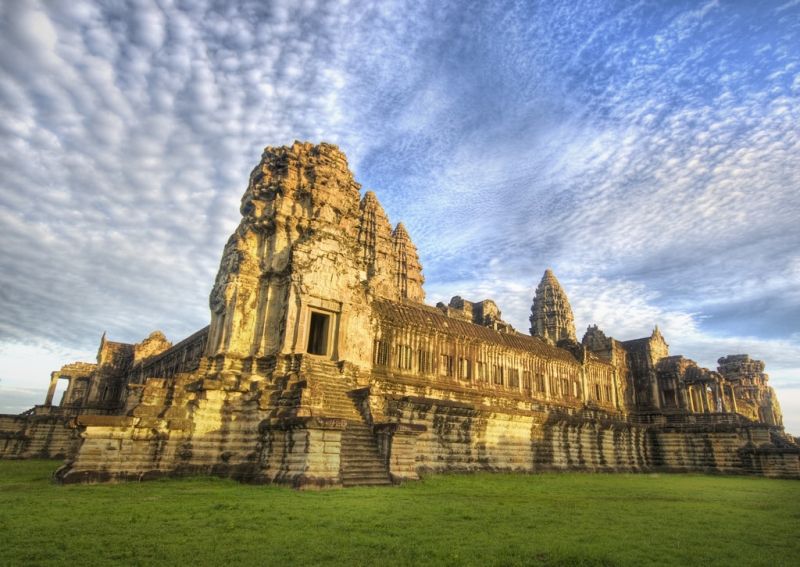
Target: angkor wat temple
323, 366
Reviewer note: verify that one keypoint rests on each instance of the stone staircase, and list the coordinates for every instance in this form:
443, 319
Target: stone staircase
285, 397
361, 461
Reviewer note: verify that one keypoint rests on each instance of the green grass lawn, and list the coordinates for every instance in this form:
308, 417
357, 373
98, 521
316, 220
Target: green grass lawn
482, 519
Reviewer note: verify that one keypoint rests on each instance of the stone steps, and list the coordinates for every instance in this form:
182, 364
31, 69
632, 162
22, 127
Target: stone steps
335, 387
361, 461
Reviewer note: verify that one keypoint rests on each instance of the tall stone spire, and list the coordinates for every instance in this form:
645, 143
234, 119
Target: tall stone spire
551, 316
376, 245
407, 269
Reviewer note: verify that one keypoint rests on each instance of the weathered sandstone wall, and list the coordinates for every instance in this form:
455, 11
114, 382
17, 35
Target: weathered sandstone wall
321, 366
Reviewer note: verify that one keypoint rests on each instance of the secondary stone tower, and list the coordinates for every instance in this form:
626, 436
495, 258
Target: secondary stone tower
551, 316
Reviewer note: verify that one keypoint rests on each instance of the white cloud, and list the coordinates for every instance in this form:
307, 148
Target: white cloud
654, 166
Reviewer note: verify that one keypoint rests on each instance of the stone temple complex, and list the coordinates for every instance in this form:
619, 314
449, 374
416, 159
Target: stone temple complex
323, 366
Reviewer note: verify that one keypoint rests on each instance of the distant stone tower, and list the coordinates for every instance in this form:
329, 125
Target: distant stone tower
551, 316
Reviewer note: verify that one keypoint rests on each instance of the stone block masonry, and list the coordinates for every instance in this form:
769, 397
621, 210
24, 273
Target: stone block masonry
322, 366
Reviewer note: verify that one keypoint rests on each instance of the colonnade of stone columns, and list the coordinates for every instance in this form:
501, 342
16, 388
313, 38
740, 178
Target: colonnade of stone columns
478, 362
710, 397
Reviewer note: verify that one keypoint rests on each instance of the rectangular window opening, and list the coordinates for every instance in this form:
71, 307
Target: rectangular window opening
318, 333
381, 353
447, 365
464, 369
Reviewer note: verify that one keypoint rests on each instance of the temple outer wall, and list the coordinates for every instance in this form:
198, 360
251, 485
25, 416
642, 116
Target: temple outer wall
466, 437
45, 434
218, 432
498, 442
223, 432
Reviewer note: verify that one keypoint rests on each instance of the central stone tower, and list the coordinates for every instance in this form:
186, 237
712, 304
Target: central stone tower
551, 316
292, 264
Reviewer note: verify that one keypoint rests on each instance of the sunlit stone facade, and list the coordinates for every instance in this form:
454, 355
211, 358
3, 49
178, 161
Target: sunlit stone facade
323, 366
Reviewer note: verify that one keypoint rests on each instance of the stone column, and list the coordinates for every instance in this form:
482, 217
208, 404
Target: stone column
684, 398
584, 388
614, 386
720, 393
51, 391
733, 399
655, 391
546, 378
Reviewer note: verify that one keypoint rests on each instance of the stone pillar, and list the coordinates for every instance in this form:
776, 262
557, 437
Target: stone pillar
398, 445
655, 390
546, 378
684, 398
720, 393
733, 399
614, 386
584, 388
51, 391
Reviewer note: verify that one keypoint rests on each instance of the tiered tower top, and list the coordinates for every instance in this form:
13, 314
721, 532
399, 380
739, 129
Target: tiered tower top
551, 315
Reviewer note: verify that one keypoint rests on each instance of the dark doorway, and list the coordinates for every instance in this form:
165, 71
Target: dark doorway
318, 334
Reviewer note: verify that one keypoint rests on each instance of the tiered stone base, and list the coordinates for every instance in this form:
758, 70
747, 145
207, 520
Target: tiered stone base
298, 427
45, 433
471, 433
314, 424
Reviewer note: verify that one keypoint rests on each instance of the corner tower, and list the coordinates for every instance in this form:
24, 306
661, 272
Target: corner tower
551, 315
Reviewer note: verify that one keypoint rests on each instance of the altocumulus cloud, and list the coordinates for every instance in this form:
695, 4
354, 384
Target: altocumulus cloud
647, 152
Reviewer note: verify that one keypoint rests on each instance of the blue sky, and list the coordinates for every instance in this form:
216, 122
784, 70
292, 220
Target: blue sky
648, 152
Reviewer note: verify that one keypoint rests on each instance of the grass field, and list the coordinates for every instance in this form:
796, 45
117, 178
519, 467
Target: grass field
482, 519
